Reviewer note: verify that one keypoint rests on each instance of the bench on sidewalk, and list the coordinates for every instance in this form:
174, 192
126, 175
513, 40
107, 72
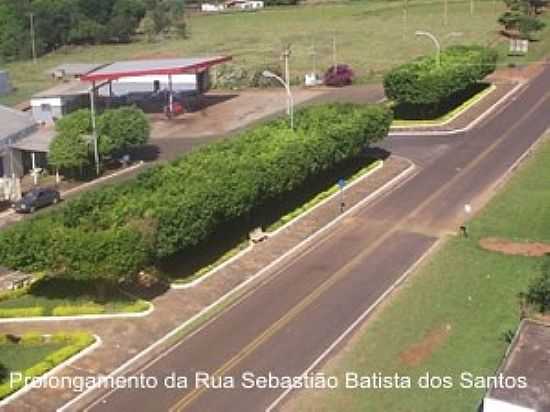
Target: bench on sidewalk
258, 235
14, 280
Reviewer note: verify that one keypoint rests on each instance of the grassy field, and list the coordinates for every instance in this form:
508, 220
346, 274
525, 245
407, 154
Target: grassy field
57, 297
370, 35
451, 315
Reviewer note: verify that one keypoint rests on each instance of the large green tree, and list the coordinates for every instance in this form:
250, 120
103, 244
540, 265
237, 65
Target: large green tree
62, 22
70, 147
117, 131
120, 129
521, 17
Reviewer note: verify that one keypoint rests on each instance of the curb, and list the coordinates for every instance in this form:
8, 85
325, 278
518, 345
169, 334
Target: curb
223, 265
473, 124
359, 320
242, 285
81, 317
98, 342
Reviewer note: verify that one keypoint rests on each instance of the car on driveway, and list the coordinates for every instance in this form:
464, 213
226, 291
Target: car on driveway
36, 199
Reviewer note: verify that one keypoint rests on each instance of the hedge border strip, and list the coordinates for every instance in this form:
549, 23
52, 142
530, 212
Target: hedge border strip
221, 266
453, 114
473, 124
126, 315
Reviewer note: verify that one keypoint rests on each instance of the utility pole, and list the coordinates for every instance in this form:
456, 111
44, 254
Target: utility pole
334, 56
33, 38
94, 128
286, 56
405, 17
313, 54
472, 7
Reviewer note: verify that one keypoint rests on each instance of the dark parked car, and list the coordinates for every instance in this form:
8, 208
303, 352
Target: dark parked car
36, 199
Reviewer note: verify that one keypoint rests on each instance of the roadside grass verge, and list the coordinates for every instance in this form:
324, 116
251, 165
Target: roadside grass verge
451, 316
33, 355
63, 297
187, 267
370, 37
454, 111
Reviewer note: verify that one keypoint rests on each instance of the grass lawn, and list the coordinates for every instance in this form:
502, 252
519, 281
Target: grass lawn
57, 297
451, 315
20, 357
370, 36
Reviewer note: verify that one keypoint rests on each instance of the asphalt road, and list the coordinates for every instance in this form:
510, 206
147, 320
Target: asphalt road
305, 305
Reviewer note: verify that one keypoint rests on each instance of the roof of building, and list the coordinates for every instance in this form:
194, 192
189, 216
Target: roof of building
529, 356
13, 122
136, 68
70, 88
75, 69
38, 141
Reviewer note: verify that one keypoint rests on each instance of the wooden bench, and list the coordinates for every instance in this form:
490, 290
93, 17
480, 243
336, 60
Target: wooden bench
258, 235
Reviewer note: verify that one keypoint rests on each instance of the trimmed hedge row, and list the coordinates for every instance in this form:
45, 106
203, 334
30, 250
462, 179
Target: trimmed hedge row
118, 230
421, 82
74, 343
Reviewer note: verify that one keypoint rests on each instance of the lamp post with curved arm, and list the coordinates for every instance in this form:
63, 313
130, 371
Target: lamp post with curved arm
436, 42
290, 99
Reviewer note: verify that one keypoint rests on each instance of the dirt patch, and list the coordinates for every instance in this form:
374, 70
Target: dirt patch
422, 351
507, 247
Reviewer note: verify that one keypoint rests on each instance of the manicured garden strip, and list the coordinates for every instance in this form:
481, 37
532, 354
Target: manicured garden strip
33, 355
53, 297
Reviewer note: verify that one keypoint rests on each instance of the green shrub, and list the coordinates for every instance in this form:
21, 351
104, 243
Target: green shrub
538, 293
78, 310
136, 307
62, 355
6, 389
423, 84
114, 232
39, 369
32, 339
21, 313
120, 129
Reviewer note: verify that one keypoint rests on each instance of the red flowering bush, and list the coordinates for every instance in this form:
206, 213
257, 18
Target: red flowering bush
339, 76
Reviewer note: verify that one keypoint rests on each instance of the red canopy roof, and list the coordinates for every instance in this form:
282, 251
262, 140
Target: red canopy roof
136, 68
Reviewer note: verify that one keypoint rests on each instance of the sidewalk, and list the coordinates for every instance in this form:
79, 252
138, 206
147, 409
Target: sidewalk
123, 339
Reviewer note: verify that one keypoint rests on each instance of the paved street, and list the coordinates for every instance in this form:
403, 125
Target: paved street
285, 324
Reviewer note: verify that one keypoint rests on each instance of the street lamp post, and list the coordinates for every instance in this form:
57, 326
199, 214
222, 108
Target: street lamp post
436, 42
94, 127
290, 99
